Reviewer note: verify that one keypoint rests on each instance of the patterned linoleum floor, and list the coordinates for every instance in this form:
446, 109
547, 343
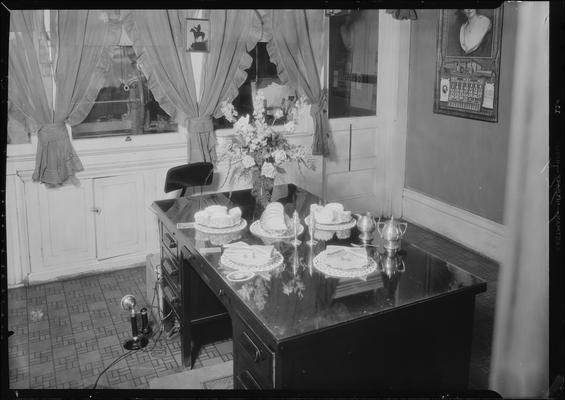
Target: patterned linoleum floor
67, 332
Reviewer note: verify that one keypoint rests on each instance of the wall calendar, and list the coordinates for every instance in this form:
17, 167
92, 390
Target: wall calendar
468, 63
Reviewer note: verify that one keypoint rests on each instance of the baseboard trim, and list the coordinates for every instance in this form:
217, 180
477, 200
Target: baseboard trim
473, 231
90, 267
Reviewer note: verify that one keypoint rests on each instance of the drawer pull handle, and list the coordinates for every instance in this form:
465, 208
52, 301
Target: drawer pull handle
251, 348
221, 293
171, 244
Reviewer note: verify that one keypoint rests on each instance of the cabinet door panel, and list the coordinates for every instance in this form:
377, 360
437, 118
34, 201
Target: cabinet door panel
120, 222
67, 223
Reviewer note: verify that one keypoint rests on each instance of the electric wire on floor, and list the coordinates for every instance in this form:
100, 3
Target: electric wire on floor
147, 350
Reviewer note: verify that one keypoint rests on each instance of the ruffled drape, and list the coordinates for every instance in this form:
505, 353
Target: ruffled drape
80, 60
233, 34
158, 38
295, 48
56, 161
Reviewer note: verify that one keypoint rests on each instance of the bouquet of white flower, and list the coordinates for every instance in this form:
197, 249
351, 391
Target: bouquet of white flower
258, 150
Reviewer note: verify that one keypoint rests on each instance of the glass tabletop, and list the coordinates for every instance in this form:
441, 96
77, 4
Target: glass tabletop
296, 298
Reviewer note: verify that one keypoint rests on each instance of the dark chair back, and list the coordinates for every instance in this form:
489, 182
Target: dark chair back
187, 175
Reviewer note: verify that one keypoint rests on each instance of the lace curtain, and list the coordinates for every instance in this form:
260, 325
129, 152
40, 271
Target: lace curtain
54, 80
158, 38
296, 49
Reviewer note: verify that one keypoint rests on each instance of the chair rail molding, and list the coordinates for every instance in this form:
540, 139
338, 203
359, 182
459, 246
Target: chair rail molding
471, 230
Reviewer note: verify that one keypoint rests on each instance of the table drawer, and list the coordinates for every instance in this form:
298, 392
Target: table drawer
253, 356
169, 241
170, 269
213, 282
172, 297
246, 380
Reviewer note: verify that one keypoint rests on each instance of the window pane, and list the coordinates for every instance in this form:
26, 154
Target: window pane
261, 75
353, 63
125, 105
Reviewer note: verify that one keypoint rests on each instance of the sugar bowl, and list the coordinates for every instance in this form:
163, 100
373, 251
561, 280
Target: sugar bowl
392, 232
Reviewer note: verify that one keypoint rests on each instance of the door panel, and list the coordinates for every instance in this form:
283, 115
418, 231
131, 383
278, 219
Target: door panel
67, 224
120, 220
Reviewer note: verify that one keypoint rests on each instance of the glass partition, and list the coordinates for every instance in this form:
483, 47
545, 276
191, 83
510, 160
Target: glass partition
353, 63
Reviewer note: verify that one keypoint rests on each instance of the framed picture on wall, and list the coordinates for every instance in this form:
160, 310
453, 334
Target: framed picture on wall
197, 35
468, 63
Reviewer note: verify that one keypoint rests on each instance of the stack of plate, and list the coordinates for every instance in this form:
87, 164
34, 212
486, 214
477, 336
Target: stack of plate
243, 257
344, 262
216, 219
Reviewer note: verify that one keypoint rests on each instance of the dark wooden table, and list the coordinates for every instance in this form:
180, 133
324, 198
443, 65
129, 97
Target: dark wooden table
296, 328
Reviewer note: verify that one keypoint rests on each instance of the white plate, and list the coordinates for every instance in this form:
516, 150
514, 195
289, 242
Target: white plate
258, 230
275, 262
332, 227
208, 229
321, 264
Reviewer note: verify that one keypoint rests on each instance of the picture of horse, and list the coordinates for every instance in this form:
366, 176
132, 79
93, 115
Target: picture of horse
197, 34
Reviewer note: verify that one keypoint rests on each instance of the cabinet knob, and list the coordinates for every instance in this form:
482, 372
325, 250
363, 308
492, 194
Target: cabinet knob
220, 293
96, 210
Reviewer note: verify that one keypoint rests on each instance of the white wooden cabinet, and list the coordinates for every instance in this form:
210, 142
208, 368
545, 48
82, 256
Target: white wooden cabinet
101, 218
103, 224
65, 223
120, 223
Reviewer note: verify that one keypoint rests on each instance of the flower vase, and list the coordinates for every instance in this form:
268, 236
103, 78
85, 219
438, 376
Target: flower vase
262, 191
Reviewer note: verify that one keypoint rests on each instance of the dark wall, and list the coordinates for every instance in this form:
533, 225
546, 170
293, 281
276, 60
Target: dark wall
459, 161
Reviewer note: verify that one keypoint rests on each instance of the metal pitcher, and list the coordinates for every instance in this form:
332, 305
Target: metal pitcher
366, 224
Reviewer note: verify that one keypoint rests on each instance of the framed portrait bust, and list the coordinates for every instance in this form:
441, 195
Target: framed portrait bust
468, 63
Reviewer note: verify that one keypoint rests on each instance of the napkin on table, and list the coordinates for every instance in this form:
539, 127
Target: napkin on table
342, 257
245, 254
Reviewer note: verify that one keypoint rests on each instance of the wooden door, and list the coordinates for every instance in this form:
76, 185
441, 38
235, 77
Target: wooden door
120, 218
66, 224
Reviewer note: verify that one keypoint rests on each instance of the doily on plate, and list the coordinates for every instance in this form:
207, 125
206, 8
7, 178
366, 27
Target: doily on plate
240, 276
258, 230
332, 227
321, 264
275, 262
229, 229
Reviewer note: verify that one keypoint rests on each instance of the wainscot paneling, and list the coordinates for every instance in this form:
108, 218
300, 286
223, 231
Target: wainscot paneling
471, 230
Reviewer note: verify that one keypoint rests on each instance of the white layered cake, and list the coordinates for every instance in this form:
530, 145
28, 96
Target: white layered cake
217, 216
274, 220
331, 213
